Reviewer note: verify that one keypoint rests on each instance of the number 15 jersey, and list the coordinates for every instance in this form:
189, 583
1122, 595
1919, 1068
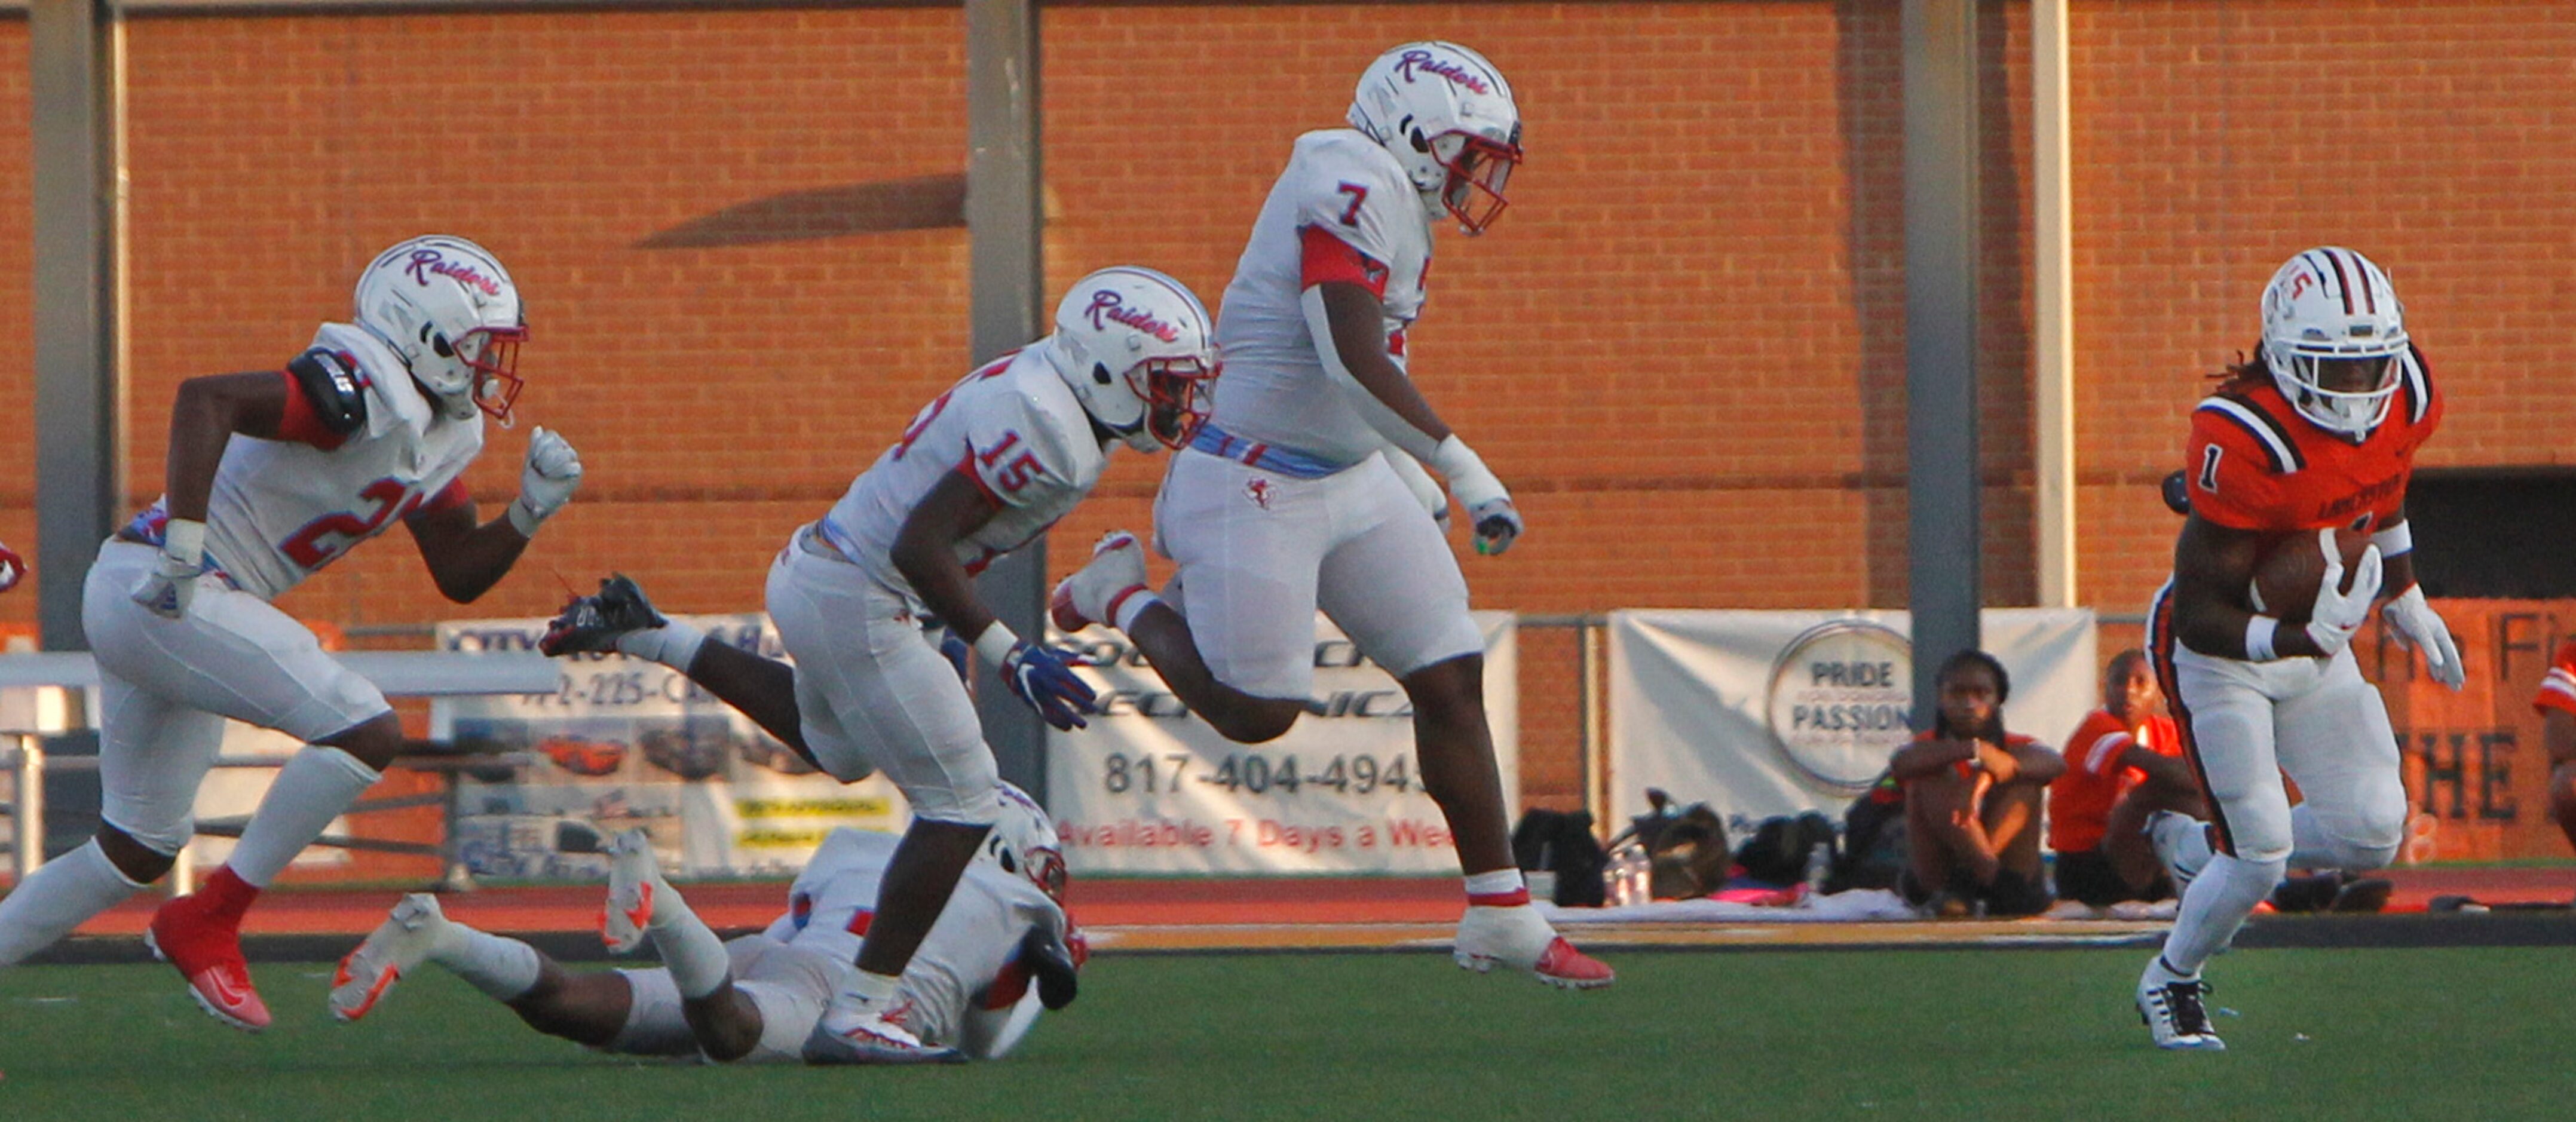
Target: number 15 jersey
1015, 427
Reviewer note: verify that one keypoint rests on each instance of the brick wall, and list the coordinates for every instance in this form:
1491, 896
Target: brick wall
1683, 346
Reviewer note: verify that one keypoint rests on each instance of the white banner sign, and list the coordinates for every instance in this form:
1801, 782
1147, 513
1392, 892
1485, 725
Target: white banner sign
626, 743
1769, 713
1148, 789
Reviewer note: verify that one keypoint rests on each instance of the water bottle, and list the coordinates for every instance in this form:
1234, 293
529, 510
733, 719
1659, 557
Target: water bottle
1820, 864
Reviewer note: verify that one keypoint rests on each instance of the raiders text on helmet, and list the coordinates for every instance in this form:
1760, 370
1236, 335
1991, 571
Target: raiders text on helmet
1448, 117
1140, 352
451, 311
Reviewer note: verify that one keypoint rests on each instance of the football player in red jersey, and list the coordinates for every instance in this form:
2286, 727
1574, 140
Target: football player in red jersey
2318, 431
2557, 706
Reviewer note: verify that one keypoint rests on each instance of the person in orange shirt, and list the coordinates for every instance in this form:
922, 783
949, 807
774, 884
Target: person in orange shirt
2557, 706
1972, 799
2123, 763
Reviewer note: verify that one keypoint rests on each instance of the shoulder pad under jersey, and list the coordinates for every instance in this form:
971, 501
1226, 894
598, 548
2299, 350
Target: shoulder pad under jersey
331, 381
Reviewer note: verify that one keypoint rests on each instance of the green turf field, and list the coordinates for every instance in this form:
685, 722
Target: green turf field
2340, 1034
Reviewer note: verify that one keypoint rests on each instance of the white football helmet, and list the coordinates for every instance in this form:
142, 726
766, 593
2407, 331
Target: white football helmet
1447, 115
1140, 352
451, 311
2333, 332
1023, 842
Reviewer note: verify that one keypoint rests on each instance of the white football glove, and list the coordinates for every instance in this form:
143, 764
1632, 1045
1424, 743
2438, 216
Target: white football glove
172, 584
546, 483
1489, 506
2419, 626
2338, 614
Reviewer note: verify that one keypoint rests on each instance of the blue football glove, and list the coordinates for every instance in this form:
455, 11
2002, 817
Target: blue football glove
956, 651
1044, 678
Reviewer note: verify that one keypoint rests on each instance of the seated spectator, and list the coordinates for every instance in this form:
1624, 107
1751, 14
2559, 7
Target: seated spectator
1972, 799
2557, 706
2122, 764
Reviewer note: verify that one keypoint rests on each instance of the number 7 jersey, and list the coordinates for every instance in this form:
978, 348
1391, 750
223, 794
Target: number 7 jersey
1015, 427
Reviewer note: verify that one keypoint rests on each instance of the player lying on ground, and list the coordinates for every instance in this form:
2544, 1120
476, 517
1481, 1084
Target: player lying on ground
1972, 799
1306, 488
2317, 432
1002, 948
272, 476
984, 468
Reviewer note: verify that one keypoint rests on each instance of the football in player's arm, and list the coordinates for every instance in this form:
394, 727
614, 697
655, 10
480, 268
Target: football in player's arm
2316, 433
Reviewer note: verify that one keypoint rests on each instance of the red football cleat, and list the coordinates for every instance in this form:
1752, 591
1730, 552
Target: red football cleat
1562, 965
203, 940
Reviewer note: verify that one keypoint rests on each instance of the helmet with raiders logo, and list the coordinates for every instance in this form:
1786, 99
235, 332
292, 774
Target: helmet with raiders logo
1023, 842
1447, 115
2333, 337
449, 309
1140, 352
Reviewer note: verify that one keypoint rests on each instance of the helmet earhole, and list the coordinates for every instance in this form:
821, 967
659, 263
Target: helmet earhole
438, 343
1008, 865
1421, 143
1100, 373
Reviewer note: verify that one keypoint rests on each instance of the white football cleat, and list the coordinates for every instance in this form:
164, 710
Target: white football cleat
2171, 1006
1094, 592
634, 881
854, 1031
394, 949
2171, 833
1518, 937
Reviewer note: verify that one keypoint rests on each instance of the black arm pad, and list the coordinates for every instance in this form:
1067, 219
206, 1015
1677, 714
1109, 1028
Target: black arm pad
332, 383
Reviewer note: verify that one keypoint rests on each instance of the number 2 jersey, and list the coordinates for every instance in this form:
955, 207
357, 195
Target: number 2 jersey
970, 959
2256, 464
282, 509
1342, 211
1015, 427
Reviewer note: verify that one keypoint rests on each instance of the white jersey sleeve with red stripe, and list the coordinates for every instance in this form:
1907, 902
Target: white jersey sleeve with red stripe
1342, 211
1015, 427
282, 509
970, 951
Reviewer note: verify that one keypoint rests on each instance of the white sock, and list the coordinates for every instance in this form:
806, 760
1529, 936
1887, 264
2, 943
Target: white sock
2216, 905
689, 948
875, 989
1486, 887
504, 969
58, 898
312, 789
673, 644
1132, 607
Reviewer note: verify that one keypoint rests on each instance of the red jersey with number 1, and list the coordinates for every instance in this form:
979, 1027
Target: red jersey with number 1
2256, 464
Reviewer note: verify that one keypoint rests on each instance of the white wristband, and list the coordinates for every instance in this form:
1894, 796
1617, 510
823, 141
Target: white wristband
995, 643
184, 540
525, 518
2394, 540
2258, 638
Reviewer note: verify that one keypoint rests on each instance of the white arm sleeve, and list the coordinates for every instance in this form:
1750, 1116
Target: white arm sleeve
1419, 481
990, 1034
1397, 431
